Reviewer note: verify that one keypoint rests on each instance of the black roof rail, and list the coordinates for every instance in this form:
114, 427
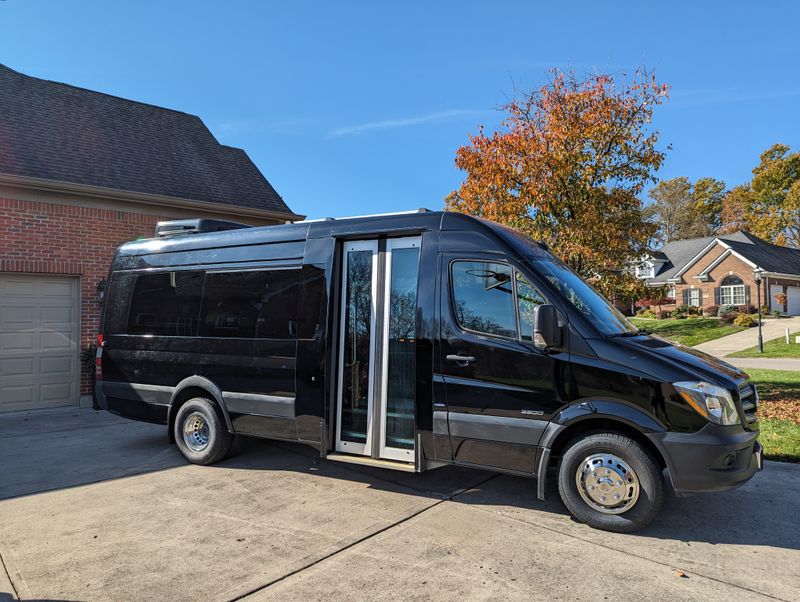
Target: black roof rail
180, 227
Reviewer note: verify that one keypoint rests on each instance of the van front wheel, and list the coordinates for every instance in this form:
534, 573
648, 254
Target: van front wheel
610, 482
200, 432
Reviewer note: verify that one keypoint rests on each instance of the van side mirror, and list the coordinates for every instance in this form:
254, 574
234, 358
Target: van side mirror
546, 331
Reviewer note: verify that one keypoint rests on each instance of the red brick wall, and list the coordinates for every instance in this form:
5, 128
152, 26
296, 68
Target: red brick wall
50, 238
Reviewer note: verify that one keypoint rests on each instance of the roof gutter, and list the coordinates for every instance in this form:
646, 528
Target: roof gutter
780, 275
143, 197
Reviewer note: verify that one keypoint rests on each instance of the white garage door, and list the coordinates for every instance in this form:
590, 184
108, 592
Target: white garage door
793, 301
38, 341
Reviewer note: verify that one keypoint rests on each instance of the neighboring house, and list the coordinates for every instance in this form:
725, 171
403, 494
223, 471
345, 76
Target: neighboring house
80, 173
718, 270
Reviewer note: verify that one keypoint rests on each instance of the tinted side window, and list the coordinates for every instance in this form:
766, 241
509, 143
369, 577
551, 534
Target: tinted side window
250, 304
166, 304
483, 293
527, 300
117, 303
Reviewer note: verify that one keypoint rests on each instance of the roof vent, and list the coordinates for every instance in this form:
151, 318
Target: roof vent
180, 227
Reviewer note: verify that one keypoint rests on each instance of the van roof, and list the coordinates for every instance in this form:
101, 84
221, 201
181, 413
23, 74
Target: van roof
347, 227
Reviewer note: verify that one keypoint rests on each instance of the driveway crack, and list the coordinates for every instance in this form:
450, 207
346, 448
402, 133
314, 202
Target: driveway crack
360, 540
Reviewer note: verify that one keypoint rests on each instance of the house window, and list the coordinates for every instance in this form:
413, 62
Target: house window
731, 292
671, 293
645, 270
695, 297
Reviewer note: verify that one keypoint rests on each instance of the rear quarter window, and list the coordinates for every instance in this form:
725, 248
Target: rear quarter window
166, 304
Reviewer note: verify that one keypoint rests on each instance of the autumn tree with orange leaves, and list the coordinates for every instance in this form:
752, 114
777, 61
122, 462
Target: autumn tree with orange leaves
567, 167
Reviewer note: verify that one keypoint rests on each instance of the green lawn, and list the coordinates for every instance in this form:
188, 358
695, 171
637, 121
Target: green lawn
773, 348
779, 413
781, 440
686, 331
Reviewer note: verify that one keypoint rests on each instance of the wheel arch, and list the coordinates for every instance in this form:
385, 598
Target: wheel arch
195, 386
590, 416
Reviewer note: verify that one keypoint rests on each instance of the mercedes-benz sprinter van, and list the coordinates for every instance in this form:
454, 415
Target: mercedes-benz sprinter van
411, 341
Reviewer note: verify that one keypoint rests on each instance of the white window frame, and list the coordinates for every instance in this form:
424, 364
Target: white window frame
698, 300
732, 294
645, 270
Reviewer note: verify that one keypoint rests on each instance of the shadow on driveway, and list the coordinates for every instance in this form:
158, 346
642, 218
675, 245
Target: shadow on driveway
46, 451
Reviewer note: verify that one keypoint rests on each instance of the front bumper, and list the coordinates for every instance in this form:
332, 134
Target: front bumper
715, 458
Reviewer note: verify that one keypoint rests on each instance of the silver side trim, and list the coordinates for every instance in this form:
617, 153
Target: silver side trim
523, 431
279, 406
154, 394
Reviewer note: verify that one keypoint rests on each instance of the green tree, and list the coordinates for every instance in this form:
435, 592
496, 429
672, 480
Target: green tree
769, 205
682, 210
707, 194
736, 207
775, 213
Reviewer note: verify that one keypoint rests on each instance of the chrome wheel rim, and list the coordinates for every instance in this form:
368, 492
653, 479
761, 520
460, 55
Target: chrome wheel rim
607, 483
196, 432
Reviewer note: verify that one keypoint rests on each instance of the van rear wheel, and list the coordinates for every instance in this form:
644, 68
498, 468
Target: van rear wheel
200, 432
610, 482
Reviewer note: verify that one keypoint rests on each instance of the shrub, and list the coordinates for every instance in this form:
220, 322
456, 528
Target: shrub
744, 320
726, 309
693, 310
681, 311
646, 313
751, 309
765, 310
711, 310
663, 314
776, 313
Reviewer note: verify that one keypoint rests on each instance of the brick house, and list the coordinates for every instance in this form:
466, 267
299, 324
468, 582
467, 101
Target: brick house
80, 173
719, 270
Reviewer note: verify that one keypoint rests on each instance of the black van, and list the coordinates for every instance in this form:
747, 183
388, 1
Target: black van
410, 341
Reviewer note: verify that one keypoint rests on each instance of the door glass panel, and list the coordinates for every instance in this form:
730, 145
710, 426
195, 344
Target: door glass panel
357, 347
483, 296
400, 381
527, 300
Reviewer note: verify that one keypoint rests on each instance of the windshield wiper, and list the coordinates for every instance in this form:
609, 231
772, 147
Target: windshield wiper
629, 333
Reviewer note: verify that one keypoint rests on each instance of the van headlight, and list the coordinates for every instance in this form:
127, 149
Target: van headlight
710, 401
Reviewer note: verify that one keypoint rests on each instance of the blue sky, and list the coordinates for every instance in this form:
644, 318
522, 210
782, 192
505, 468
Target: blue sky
358, 107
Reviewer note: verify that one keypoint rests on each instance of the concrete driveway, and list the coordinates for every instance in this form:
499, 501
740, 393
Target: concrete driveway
95, 507
770, 329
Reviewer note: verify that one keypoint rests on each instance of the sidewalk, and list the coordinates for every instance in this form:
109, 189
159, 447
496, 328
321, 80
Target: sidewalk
771, 329
772, 363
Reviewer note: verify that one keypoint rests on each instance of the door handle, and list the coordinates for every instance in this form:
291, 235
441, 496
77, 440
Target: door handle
461, 360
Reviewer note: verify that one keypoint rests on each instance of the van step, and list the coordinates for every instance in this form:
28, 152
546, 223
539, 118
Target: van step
367, 461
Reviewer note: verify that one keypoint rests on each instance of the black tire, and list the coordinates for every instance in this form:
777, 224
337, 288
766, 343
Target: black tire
643, 509
237, 445
210, 441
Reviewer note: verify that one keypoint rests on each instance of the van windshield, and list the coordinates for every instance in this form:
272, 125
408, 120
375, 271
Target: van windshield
591, 304
594, 307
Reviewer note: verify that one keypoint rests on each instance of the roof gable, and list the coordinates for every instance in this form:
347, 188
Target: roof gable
683, 254
57, 132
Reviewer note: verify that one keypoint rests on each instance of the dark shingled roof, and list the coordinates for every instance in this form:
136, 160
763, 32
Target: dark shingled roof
769, 257
54, 131
772, 258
